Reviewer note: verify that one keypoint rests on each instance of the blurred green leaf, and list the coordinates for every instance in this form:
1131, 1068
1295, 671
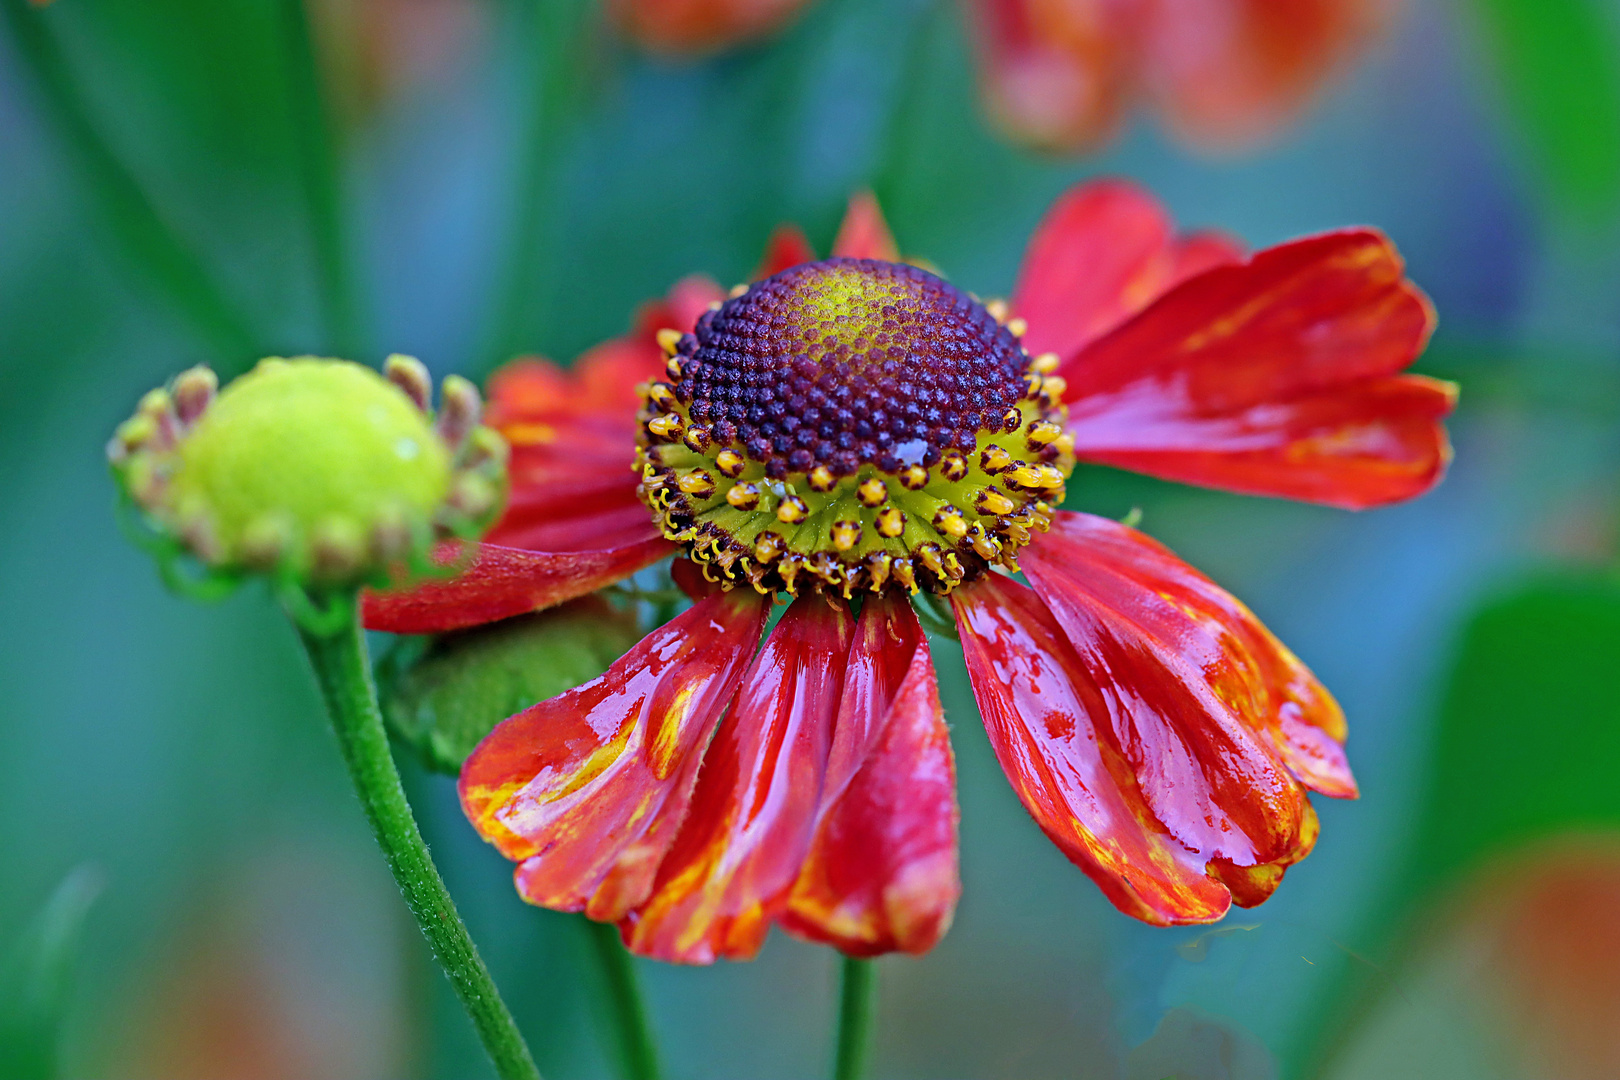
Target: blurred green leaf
444, 695
36, 979
1529, 725
1559, 66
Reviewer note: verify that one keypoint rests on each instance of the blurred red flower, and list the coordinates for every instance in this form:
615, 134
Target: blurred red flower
694, 27
1062, 74
1154, 729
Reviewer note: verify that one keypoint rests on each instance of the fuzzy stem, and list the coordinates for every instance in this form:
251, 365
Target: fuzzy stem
857, 993
131, 216
344, 674
315, 137
638, 1052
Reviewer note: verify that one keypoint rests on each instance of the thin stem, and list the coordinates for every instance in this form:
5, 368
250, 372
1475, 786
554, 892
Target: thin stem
556, 29
315, 138
857, 993
129, 213
638, 1052
344, 675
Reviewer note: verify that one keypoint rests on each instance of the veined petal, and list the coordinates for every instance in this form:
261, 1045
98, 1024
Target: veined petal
755, 809
787, 247
500, 582
882, 874
1188, 628
1104, 251
1199, 759
1056, 76
595, 782
1228, 72
864, 234
1277, 376
1049, 726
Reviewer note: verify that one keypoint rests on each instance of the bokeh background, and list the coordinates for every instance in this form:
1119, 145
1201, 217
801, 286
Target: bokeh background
187, 887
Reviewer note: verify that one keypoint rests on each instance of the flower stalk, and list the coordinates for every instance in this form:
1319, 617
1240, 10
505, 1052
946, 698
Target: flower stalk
857, 996
638, 1051
343, 671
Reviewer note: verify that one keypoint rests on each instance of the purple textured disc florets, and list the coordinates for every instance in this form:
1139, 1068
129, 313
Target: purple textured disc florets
850, 361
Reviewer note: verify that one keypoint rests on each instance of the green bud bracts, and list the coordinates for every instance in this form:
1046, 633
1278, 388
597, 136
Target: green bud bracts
315, 471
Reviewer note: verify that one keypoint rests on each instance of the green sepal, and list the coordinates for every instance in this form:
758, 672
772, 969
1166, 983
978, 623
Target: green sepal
442, 695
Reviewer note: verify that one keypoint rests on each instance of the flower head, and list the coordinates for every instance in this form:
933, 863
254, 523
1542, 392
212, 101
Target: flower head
312, 470
857, 429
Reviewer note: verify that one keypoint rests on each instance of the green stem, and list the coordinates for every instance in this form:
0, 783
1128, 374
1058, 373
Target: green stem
129, 213
556, 30
638, 1052
344, 675
315, 139
857, 993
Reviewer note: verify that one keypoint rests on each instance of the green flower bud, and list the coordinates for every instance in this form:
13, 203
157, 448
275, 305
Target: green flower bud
443, 696
318, 472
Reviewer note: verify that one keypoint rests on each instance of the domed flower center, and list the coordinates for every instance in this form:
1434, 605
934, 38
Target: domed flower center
860, 422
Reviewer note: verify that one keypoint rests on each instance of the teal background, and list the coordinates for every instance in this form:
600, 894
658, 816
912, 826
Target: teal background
526, 196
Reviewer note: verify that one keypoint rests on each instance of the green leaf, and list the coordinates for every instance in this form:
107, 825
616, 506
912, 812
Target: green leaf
443, 695
1558, 62
35, 981
1529, 725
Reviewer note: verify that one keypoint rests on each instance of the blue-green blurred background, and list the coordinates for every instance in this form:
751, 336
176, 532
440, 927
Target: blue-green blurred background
515, 180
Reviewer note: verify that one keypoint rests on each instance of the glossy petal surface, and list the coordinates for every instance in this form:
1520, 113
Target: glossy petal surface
1051, 731
1100, 572
1278, 376
864, 234
755, 810
882, 874
586, 791
1104, 251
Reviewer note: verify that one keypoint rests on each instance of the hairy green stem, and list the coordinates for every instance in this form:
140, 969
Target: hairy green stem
857, 994
130, 215
344, 674
319, 175
638, 1051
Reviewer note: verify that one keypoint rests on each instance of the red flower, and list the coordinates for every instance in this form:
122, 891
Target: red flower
1161, 737
1061, 74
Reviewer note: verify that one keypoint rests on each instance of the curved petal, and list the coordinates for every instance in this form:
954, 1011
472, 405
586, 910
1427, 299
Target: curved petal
1228, 72
881, 875
1183, 626
1057, 76
585, 791
787, 247
864, 234
500, 582
1277, 376
1049, 726
754, 812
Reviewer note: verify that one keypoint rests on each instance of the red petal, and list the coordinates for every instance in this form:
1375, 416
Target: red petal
864, 234
1057, 76
1049, 725
1193, 630
882, 873
1273, 377
1227, 72
787, 247
595, 781
679, 309
698, 27
502, 582
754, 812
